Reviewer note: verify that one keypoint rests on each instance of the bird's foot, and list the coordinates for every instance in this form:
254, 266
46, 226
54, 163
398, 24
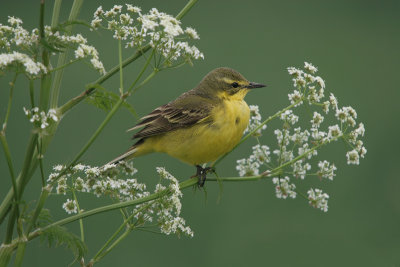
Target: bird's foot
201, 174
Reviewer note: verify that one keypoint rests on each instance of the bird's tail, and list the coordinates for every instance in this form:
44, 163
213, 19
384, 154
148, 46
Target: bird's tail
127, 155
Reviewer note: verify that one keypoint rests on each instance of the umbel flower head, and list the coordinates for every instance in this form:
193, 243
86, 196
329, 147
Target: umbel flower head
162, 31
292, 158
18, 48
106, 181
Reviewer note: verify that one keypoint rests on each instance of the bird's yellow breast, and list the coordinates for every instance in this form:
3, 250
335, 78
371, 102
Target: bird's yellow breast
205, 142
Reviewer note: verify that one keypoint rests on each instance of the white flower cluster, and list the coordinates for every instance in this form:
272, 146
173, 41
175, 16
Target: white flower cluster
41, 119
289, 117
283, 188
168, 208
318, 199
84, 51
14, 36
255, 121
15, 59
76, 42
306, 83
162, 31
104, 181
99, 181
296, 146
70, 206
326, 170
251, 165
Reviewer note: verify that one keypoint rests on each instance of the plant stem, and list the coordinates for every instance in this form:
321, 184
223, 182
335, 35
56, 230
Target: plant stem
32, 93
185, 9
20, 189
20, 252
121, 73
62, 58
58, 68
115, 243
46, 78
80, 220
12, 85
5, 254
27, 163
98, 255
40, 158
148, 78
141, 72
10, 165
42, 200
56, 13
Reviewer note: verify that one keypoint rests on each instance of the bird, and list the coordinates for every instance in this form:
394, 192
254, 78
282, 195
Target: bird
200, 125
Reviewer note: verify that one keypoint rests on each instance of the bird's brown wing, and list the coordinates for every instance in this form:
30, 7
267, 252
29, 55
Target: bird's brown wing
174, 115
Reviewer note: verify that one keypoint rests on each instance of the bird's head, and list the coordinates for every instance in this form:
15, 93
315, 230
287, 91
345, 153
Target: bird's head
226, 83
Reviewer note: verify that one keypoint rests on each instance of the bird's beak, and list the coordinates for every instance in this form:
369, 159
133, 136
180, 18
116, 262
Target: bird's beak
255, 85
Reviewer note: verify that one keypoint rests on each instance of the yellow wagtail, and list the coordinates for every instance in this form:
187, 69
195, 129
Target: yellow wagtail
200, 125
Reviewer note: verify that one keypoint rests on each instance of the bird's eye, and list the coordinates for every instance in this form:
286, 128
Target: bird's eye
235, 85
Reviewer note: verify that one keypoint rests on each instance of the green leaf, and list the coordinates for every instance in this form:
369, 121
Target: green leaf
105, 100
60, 236
50, 47
62, 27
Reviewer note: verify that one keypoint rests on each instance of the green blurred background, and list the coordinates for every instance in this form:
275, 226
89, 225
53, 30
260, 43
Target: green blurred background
356, 46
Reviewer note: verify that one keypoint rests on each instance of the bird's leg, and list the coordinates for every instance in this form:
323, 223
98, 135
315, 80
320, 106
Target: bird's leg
201, 174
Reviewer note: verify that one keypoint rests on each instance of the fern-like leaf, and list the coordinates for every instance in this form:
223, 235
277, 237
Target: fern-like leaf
105, 100
60, 236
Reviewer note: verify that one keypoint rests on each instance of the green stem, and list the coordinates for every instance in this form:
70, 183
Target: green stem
97, 132
10, 165
32, 93
114, 244
56, 13
20, 189
121, 78
10, 225
186, 9
20, 252
141, 72
7, 149
80, 220
58, 68
42, 200
5, 254
62, 58
97, 257
46, 78
12, 85
40, 158
27, 163
151, 75
270, 118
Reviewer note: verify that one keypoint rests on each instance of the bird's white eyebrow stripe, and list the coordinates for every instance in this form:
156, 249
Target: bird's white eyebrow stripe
227, 80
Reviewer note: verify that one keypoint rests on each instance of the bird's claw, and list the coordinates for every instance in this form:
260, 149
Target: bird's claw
201, 174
